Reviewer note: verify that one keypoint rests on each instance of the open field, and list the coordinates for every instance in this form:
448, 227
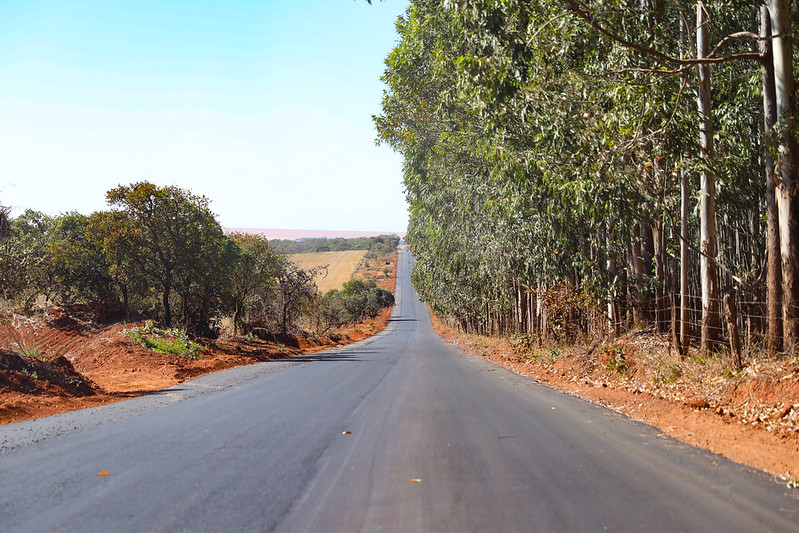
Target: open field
341, 266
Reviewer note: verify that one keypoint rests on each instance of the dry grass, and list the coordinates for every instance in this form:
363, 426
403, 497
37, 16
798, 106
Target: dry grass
341, 266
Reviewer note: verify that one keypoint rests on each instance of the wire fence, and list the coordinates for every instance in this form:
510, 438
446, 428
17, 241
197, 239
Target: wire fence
562, 314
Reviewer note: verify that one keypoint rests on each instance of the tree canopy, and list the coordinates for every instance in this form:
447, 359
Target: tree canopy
159, 251
545, 145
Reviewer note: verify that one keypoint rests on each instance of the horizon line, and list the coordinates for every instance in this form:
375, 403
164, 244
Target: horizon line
293, 234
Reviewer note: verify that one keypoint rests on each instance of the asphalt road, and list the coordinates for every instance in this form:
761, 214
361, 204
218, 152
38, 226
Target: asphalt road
401, 432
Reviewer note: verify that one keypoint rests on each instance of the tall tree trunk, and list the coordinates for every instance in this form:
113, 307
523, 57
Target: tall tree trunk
613, 321
685, 211
167, 293
786, 189
711, 321
661, 306
637, 271
648, 262
685, 262
774, 281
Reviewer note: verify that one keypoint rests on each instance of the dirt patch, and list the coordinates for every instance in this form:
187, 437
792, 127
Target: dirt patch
36, 375
751, 417
61, 362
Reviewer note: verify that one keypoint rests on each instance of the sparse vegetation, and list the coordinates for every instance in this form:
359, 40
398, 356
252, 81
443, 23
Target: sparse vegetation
31, 351
617, 360
172, 341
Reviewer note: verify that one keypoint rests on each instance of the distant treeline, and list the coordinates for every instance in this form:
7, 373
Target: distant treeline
381, 244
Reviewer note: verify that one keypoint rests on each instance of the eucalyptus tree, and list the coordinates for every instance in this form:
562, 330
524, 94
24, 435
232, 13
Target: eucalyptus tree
728, 51
787, 166
711, 318
546, 142
774, 277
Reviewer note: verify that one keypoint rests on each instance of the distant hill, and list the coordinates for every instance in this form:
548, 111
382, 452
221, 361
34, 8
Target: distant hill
294, 234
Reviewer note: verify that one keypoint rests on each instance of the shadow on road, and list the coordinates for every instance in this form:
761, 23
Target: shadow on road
349, 356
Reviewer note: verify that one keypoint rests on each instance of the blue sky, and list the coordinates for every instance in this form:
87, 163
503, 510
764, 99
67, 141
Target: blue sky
264, 107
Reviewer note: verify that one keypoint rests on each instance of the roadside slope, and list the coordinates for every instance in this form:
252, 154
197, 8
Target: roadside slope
118, 370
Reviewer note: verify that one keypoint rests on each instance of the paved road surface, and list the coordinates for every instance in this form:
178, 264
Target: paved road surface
401, 433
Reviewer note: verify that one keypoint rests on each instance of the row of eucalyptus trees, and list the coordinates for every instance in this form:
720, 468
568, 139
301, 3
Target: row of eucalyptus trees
594, 164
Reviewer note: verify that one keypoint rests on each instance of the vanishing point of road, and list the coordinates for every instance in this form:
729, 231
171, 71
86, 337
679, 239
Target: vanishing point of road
400, 432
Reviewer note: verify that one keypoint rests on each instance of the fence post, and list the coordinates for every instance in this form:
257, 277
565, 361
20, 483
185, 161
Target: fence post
732, 327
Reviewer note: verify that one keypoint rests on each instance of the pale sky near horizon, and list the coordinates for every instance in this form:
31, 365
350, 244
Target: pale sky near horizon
263, 106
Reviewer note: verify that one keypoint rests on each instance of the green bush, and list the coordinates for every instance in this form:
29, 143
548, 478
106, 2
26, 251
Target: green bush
356, 301
173, 341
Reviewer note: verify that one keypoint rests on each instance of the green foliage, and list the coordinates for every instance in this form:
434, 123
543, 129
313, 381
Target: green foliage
356, 301
79, 268
170, 341
30, 351
617, 361
160, 251
32, 373
24, 255
667, 374
253, 273
533, 145
5, 222
174, 242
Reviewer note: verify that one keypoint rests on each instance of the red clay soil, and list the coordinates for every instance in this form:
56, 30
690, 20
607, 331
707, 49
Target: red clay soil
60, 362
750, 417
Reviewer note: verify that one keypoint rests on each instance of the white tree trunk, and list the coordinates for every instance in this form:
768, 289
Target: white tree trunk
786, 168
774, 280
711, 323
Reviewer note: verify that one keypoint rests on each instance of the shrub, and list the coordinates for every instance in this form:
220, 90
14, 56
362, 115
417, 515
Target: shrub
172, 341
356, 301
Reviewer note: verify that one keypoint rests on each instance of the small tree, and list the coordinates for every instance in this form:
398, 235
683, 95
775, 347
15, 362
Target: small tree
79, 267
252, 275
167, 233
296, 291
357, 300
25, 252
